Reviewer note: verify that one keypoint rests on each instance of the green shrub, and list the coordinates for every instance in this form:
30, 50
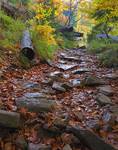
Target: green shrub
10, 36
109, 57
106, 50
10, 31
66, 41
96, 46
44, 49
69, 43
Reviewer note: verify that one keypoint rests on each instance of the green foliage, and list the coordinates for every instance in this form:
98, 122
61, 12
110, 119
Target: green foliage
105, 15
97, 45
66, 40
44, 49
106, 50
10, 31
69, 43
109, 58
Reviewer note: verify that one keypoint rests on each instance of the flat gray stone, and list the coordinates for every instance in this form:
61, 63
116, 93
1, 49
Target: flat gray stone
48, 81
69, 58
114, 109
66, 76
58, 87
67, 85
30, 85
55, 75
9, 119
81, 70
62, 61
75, 82
92, 81
50, 63
107, 90
103, 99
48, 90
35, 95
35, 105
112, 76
66, 66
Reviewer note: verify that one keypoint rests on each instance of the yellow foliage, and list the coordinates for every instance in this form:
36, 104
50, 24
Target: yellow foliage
45, 32
42, 11
110, 6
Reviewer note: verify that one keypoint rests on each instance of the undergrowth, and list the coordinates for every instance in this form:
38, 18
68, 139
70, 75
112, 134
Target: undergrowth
10, 32
66, 41
106, 50
10, 36
44, 43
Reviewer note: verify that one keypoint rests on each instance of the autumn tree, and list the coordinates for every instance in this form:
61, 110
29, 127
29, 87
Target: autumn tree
106, 14
84, 20
45, 12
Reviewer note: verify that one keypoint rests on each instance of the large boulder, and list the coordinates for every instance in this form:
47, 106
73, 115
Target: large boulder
103, 99
58, 87
35, 104
62, 87
9, 119
107, 90
92, 81
88, 138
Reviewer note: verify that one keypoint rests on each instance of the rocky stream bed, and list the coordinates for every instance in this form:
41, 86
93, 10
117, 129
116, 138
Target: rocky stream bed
68, 104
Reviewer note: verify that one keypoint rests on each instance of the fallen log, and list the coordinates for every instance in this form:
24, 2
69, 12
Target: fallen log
12, 10
26, 46
92, 141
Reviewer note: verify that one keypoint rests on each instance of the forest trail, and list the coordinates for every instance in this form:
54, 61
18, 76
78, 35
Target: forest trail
74, 90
